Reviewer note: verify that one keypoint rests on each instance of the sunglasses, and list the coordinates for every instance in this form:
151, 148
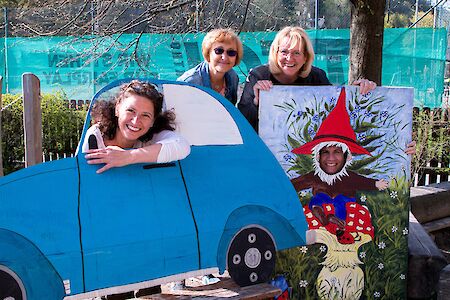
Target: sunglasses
220, 51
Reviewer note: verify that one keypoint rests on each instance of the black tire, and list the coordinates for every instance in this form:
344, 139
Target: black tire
251, 257
10, 285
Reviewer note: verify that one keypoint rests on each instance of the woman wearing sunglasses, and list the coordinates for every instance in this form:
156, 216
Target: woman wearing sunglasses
222, 50
132, 128
290, 63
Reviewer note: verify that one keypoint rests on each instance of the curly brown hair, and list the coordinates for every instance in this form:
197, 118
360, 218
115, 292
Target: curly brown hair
103, 112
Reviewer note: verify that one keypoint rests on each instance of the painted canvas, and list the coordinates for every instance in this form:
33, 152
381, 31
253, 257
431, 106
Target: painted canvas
344, 154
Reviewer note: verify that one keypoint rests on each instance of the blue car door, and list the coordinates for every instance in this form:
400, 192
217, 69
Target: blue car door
136, 224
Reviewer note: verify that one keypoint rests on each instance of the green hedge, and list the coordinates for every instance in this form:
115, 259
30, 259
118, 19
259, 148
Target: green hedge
61, 128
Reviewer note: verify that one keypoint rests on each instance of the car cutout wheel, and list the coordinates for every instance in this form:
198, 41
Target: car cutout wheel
11, 287
251, 257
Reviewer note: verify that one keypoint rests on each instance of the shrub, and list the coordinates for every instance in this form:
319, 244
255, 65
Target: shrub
61, 127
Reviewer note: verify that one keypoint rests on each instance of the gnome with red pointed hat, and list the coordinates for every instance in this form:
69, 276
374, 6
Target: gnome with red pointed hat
331, 182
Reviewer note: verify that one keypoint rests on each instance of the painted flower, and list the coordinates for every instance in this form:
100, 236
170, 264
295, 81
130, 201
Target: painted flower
377, 294
394, 228
393, 194
402, 276
332, 100
353, 115
303, 283
384, 114
316, 118
304, 249
323, 248
363, 198
380, 266
299, 113
362, 136
405, 231
358, 108
287, 157
367, 95
362, 254
381, 245
368, 114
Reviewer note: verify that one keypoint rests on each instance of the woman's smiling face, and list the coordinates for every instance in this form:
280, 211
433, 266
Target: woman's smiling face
290, 57
136, 115
222, 63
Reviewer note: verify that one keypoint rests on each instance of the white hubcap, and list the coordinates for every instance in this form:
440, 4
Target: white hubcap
252, 258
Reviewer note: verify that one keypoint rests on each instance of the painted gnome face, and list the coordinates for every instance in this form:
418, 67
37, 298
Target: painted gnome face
331, 160
335, 131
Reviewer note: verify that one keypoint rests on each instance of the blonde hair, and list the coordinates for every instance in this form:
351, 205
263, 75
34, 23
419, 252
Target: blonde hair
297, 36
222, 35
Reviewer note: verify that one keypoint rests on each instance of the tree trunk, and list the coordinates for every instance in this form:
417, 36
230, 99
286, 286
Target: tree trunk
366, 39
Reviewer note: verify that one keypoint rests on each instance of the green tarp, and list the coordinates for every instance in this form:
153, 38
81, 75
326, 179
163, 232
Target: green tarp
80, 66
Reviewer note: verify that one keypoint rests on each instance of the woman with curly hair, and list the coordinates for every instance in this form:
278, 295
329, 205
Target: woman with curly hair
132, 128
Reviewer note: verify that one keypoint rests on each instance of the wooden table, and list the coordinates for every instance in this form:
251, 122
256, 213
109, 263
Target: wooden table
225, 289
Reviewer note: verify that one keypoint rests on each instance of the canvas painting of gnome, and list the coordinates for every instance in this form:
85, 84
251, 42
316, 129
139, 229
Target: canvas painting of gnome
344, 154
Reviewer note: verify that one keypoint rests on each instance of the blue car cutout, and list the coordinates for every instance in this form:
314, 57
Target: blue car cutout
69, 233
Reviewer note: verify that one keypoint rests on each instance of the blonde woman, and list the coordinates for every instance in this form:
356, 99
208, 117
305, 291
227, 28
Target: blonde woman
290, 63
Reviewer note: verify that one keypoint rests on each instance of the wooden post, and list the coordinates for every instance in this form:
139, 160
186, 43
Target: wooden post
1, 153
32, 119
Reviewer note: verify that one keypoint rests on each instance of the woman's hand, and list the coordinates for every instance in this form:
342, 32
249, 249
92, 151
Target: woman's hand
264, 85
111, 156
365, 85
411, 148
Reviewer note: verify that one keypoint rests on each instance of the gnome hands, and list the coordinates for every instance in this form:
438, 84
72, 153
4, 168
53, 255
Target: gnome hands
264, 85
381, 184
327, 219
365, 85
335, 220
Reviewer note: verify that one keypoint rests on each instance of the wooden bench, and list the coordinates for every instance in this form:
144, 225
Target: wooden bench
431, 205
226, 288
425, 262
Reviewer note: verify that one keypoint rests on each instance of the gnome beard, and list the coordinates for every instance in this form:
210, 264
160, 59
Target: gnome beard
330, 179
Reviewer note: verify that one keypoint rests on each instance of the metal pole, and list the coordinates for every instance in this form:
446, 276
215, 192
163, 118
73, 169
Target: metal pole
416, 14
197, 25
316, 14
434, 18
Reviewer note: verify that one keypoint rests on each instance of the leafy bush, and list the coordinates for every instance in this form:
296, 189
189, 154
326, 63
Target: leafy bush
431, 130
61, 127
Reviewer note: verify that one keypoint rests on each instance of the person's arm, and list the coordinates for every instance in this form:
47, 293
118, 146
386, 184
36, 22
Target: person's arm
173, 146
247, 104
167, 146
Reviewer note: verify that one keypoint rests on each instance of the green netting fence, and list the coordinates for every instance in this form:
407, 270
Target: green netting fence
79, 66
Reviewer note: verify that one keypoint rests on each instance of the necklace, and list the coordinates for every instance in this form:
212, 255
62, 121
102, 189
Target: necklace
218, 87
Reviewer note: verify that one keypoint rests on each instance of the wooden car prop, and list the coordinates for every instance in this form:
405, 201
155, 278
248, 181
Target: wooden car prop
67, 232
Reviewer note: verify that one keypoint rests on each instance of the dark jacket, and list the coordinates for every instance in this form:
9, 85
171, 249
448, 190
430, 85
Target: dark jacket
250, 110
